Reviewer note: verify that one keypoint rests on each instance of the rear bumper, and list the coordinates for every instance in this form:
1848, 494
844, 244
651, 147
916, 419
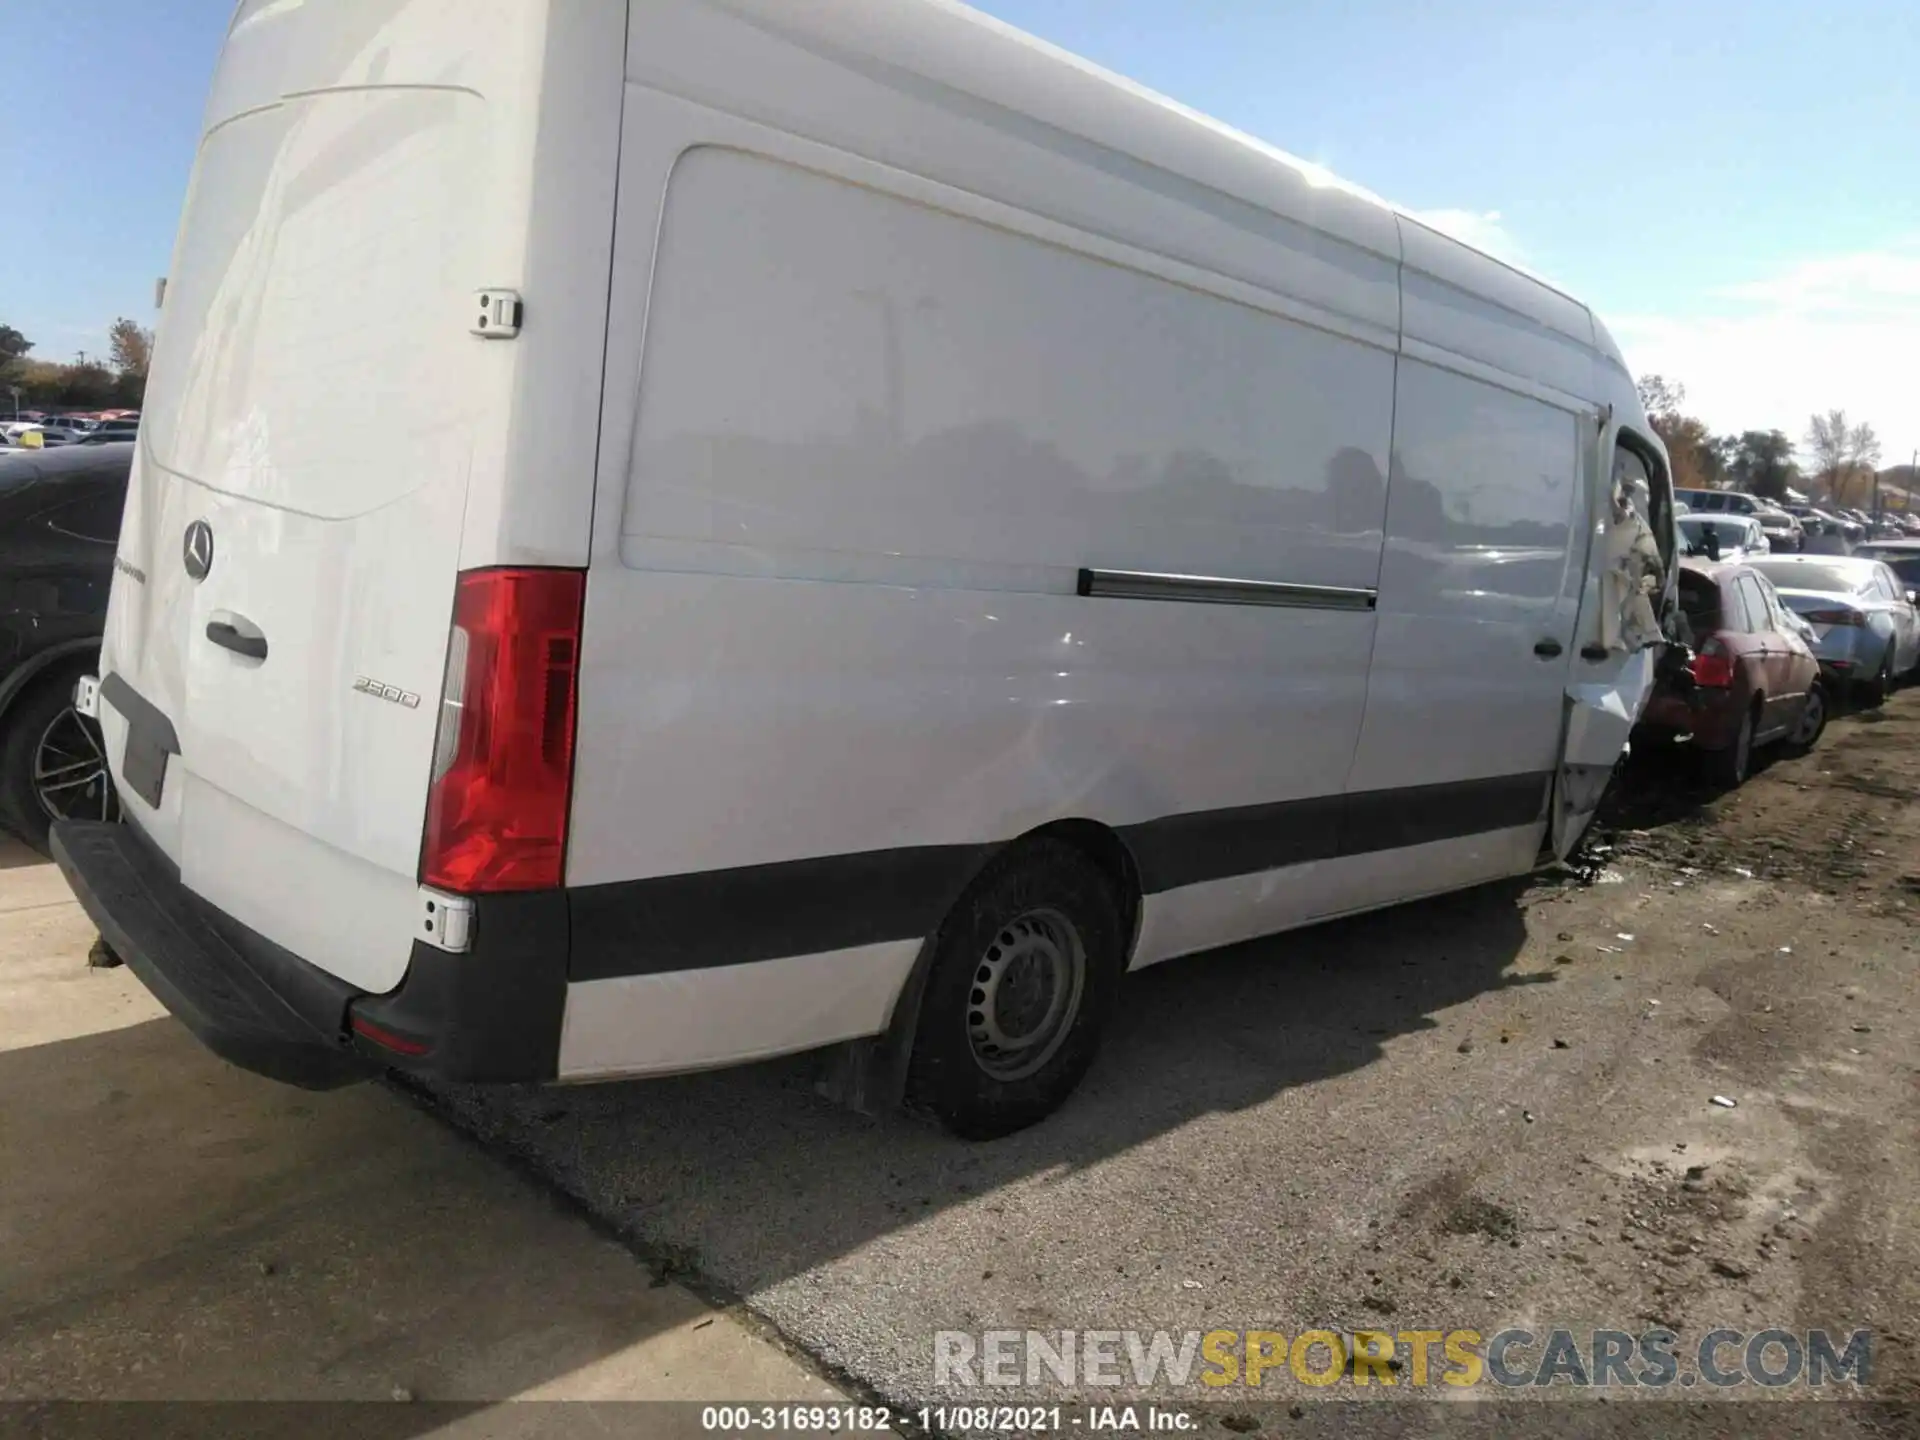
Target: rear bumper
1707, 716
487, 1014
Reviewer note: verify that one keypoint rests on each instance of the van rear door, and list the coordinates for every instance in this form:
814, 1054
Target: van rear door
297, 502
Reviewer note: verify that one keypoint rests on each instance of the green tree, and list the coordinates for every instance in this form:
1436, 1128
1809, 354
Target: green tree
1692, 453
1843, 456
1762, 461
13, 350
131, 345
87, 386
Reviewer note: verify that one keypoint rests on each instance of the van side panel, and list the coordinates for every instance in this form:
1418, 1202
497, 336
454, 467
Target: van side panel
1200, 917
833, 372
699, 1019
914, 320
1479, 586
881, 425
841, 386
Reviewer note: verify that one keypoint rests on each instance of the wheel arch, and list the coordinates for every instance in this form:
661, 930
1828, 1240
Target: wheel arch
25, 675
869, 1075
1103, 845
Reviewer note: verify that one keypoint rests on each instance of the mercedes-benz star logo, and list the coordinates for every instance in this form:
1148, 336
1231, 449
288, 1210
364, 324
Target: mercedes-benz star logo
196, 549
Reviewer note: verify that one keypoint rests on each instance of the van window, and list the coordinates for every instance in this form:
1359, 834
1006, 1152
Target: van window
350, 276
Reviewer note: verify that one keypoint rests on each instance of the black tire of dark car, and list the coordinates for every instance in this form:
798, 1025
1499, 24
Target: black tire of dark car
1025, 972
1728, 768
45, 761
1812, 723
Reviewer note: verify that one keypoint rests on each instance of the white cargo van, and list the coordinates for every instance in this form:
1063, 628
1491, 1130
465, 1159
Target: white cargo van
857, 527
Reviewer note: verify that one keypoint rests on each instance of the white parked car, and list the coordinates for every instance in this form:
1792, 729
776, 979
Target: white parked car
889, 620
51, 432
1722, 537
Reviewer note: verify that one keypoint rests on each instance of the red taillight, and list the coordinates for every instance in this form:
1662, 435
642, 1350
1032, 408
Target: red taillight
1834, 617
503, 759
1713, 666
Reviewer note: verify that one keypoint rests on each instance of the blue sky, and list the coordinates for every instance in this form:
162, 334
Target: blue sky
1733, 184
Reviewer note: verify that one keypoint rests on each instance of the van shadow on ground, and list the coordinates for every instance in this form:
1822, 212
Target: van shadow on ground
743, 1179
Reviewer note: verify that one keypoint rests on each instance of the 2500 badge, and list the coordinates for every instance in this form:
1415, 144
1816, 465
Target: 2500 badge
380, 690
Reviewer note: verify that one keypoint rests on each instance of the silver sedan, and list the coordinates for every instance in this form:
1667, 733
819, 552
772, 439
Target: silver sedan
1865, 623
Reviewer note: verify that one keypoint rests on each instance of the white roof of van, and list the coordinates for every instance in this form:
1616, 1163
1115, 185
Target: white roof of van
976, 55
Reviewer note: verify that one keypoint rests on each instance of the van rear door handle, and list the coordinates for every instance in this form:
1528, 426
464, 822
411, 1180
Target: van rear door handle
232, 637
1547, 649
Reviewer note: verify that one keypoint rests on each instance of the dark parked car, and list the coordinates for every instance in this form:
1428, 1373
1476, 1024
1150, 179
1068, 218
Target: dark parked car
1900, 556
59, 525
1753, 680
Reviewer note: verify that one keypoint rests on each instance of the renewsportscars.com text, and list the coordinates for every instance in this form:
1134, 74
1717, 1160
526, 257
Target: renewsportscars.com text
1513, 1358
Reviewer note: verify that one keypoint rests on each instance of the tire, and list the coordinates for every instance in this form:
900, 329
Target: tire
42, 735
1873, 693
1813, 721
1022, 982
1728, 768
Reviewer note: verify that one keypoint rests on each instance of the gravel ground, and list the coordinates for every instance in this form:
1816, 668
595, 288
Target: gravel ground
1487, 1110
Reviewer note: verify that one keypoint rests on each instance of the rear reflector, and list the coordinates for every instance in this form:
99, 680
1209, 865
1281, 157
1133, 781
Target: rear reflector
387, 1040
503, 759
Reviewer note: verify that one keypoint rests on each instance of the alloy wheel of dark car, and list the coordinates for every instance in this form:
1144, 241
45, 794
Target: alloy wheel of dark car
70, 777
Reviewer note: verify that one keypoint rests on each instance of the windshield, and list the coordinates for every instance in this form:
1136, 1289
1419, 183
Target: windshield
1803, 575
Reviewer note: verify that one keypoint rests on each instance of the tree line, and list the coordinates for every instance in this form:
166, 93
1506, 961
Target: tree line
1841, 454
118, 382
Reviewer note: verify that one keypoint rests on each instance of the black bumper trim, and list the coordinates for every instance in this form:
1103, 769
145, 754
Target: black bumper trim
492, 1013
247, 999
150, 739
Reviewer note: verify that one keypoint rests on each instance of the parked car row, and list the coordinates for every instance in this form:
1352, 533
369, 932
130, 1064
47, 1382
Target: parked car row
1794, 527
51, 431
1780, 641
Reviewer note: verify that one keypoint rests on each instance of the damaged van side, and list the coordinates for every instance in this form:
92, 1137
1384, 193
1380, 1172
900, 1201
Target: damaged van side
877, 529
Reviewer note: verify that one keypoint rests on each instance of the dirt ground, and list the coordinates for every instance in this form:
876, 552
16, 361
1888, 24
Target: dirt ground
1792, 902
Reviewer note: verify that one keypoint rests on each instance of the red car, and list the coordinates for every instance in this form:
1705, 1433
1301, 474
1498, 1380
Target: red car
1753, 680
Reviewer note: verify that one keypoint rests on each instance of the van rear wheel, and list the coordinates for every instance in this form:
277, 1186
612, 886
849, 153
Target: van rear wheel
1024, 975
